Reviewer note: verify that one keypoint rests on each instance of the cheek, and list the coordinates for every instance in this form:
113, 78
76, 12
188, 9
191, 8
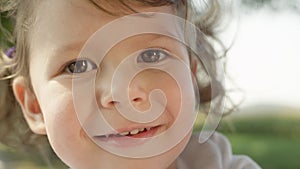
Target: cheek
63, 128
173, 95
152, 80
59, 114
57, 106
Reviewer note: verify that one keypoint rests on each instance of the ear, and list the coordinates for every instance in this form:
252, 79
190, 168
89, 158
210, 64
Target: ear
29, 105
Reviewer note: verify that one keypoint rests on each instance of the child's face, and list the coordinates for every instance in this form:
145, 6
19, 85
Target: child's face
61, 29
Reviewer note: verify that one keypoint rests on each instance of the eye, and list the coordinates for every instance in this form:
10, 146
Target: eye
152, 56
80, 66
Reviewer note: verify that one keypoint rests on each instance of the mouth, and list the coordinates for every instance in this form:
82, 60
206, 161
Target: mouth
128, 137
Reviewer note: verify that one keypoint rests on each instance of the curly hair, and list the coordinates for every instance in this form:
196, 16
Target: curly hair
19, 15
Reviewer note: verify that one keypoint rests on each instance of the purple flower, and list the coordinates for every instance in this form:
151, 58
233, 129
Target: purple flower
10, 52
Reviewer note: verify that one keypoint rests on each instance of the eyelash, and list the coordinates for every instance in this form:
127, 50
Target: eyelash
86, 66
156, 55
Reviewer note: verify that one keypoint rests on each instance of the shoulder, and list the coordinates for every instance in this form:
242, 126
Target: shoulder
215, 153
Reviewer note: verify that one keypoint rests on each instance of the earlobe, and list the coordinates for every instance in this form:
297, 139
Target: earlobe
29, 105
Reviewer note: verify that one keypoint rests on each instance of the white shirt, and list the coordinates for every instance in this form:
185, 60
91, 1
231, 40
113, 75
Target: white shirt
213, 154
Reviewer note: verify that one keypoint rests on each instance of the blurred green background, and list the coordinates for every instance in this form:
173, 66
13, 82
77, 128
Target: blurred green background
273, 141
270, 135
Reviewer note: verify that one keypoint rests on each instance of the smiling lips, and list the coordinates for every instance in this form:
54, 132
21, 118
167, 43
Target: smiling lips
133, 133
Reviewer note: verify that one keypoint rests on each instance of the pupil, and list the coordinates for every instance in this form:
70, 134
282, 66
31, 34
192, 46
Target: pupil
79, 66
150, 56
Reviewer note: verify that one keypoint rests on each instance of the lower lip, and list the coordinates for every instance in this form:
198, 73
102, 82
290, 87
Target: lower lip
127, 141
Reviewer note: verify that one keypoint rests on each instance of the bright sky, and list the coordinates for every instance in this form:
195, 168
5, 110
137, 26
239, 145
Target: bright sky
265, 60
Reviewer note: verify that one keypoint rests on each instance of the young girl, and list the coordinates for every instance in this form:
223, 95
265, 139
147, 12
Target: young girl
110, 83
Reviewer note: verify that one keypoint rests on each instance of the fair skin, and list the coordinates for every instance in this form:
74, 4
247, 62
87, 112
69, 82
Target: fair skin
49, 110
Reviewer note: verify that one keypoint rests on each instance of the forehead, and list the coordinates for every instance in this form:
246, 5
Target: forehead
60, 22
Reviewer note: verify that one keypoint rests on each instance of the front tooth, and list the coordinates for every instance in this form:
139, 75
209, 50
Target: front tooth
135, 131
142, 129
124, 133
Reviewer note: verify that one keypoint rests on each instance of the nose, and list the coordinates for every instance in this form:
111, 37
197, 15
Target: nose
137, 96
107, 101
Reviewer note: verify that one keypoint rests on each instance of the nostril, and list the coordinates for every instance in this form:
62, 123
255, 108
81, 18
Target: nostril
113, 102
138, 99
109, 104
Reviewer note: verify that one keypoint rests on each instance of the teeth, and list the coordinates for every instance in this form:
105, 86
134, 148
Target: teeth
135, 131
124, 133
